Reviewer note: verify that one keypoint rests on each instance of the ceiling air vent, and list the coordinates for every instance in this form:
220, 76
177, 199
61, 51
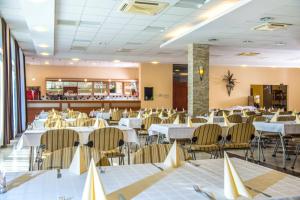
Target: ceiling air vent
144, 7
271, 26
66, 22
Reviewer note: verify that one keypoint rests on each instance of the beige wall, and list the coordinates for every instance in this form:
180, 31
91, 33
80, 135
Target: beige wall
40, 73
247, 76
160, 77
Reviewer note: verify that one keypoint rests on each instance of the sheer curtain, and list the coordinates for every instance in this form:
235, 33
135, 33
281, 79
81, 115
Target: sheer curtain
1, 88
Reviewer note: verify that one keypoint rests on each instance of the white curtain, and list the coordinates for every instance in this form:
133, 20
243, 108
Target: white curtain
1, 89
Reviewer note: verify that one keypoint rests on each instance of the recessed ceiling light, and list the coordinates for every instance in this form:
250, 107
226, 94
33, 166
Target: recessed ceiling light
244, 65
155, 62
38, 1
75, 59
44, 54
279, 43
71, 63
33, 79
248, 54
46, 62
85, 80
247, 41
213, 40
117, 61
40, 28
59, 80
43, 45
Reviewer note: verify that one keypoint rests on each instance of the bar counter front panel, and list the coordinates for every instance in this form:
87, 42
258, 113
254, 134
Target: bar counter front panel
34, 107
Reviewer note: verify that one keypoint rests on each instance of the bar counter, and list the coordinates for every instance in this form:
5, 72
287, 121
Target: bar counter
34, 107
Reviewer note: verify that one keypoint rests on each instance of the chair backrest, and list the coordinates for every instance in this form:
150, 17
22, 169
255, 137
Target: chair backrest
235, 118
89, 122
286, 118
207, 134
78, 122
156, 153
116, 115
105, 139
169, 120
50, 123
260, 119
148, 121
250, 113
133, 114
58, 139
286, 113
220, 112
241, 133
62, 158
198, 120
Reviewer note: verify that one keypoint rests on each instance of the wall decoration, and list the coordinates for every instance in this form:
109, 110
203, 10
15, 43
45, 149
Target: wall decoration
230, 82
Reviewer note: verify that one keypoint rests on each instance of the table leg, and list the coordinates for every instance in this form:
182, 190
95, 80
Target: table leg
31, 148
258, 144
283, 151
128, 152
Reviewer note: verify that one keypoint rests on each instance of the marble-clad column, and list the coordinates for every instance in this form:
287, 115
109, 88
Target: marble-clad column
198, 90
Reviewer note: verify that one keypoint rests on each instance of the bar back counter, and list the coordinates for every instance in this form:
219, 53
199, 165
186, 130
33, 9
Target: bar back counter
34, 107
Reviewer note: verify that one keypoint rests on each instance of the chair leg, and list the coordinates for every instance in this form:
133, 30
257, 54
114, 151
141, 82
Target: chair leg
246, 155
296, 156
276, 148
263, 155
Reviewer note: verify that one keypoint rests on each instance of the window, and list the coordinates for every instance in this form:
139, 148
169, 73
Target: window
14, 85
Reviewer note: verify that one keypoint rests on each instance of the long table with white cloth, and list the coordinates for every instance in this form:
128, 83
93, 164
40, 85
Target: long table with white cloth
176, 184
281, 128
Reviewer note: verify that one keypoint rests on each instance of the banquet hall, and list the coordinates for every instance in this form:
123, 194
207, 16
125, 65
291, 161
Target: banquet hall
149, 99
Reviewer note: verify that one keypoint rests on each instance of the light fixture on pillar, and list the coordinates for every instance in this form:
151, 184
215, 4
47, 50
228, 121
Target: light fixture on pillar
201, 72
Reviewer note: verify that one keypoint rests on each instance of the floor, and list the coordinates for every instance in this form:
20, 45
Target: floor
12, 160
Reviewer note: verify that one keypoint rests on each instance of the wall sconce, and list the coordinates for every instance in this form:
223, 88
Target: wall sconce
201, 72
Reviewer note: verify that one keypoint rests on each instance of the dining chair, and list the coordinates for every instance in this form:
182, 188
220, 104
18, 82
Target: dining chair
89, 122
157, 153
62, 158
250, 119
250, 113
260, 119
169, 120
235, 118
206, 138
55, 139
146, 123
109, 141
199, 120
286, 118
133, 114
240, 136
116, 116
286, 113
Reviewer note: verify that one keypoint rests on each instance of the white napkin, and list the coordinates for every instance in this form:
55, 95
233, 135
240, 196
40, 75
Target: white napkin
189, 122
244, 113
58, 124
161, 115
231, 112
96, 124
297, 119
176, 121
79, 116
226, 121
93, 188
211, 118
233, 184
274, 118
173, 158
294, 113
139, 115
78, 162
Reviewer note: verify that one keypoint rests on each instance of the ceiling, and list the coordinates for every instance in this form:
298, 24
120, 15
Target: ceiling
96, 32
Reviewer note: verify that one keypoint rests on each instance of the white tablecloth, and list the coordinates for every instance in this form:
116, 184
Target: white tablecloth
284, 128
178, 131
33, 137
131, 122
220, 119
39, 123
176, 185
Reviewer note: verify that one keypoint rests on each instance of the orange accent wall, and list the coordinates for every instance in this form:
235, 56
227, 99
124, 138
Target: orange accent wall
246, 76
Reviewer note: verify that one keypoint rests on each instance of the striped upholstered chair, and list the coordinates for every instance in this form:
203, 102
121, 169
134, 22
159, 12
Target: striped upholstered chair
109, 141
286, 118
250, 119
198, 120
146, 123
240, 136
59, 138
156, 153
260, 119
62, 158
169, 120
235, 118
286, 113
89, 122
116, 115
206, 138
